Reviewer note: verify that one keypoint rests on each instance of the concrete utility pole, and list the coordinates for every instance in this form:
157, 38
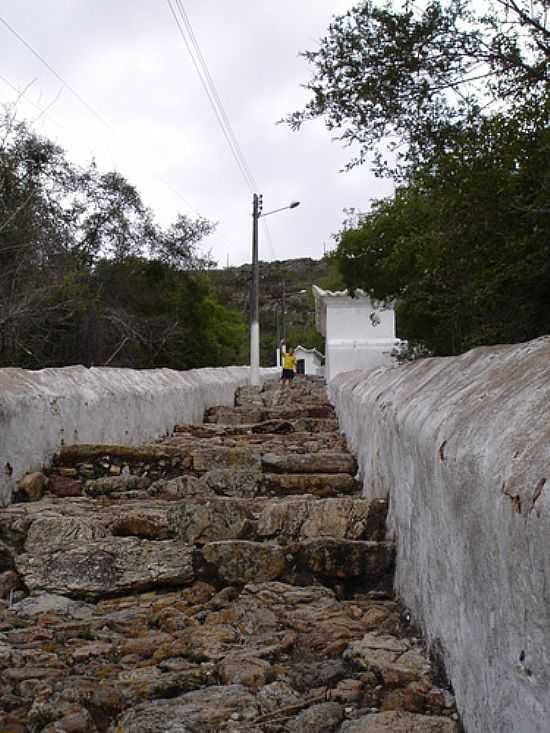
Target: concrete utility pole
255, 296
257, 205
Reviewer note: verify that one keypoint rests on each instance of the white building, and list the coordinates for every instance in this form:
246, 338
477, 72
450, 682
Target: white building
357, 334
309, 361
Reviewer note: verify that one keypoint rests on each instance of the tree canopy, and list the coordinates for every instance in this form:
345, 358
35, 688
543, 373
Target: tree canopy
88, 276
459, 92
407, 75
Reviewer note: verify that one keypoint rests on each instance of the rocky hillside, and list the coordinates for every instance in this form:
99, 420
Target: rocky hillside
286, 302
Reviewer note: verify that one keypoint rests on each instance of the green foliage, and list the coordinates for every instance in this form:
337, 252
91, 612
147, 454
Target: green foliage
452, 100
307, 336
409, 75
463, 250
87, 276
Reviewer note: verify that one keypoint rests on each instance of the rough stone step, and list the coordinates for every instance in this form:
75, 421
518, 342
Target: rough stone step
247, 416
282, 521
299, 442
364, 565
319, 462
98, 568
320, 485
71, 455
95, 568
139, 617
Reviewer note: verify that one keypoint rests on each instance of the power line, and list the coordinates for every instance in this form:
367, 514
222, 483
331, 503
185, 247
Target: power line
55, 73
80, 99
201, 67
214, 92
207, 83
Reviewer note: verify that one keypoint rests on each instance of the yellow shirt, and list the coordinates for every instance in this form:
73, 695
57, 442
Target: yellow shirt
289, 361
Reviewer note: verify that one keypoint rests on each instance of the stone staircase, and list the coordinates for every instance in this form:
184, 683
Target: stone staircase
227, 578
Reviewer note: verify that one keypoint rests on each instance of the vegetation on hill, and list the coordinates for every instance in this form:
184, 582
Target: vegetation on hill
453, 98
287, 306
87, 276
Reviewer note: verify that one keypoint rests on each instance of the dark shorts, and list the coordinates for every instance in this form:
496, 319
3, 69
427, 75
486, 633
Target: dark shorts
287, 374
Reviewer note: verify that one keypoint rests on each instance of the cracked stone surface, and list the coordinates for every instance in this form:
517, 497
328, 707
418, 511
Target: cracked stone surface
227, 578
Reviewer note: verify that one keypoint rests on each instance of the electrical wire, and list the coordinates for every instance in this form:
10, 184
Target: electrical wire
58, 76
201, 67
217, 109
73, 91
215, 94
206, 80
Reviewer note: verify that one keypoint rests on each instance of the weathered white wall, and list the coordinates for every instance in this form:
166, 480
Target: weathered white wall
462, 446
358, 335
41, 410
345, 356
352, 318
313, 365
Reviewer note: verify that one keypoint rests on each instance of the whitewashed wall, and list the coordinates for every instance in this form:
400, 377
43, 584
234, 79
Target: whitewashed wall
313, 366
345, 356
41, 410
462, 447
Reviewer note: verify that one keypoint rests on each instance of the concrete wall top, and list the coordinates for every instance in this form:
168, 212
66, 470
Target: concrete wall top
462, 446
42, 410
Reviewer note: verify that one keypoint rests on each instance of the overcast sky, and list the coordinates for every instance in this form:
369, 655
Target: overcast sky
129, 63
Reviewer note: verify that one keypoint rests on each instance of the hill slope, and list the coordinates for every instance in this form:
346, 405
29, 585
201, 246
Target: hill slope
287, 306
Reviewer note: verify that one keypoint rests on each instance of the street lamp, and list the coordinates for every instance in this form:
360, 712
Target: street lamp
257, 214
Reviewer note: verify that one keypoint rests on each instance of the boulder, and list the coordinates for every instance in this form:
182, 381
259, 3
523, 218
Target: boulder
377, 652
324, 717
367, 562
212, 457
110, 484
104, 567
234, 415
321, 485
400, 722
36, 605
147, 523
295, 519
181, 487
201, 710
64, 486
32, 486
241, 669
56, 531
320, 462
275, 696
212, 520
238, 562
233, 481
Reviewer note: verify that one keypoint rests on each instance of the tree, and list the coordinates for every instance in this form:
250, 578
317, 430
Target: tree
177, 245
408, 77
87, 276
463, 249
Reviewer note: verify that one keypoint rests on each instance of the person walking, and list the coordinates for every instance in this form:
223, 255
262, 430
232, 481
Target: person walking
289, 366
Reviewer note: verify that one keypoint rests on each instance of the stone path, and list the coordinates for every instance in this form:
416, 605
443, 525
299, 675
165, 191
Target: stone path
227, 578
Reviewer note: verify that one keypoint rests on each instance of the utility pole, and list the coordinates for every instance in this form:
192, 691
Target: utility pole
284, 312
255, 296
257, 205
